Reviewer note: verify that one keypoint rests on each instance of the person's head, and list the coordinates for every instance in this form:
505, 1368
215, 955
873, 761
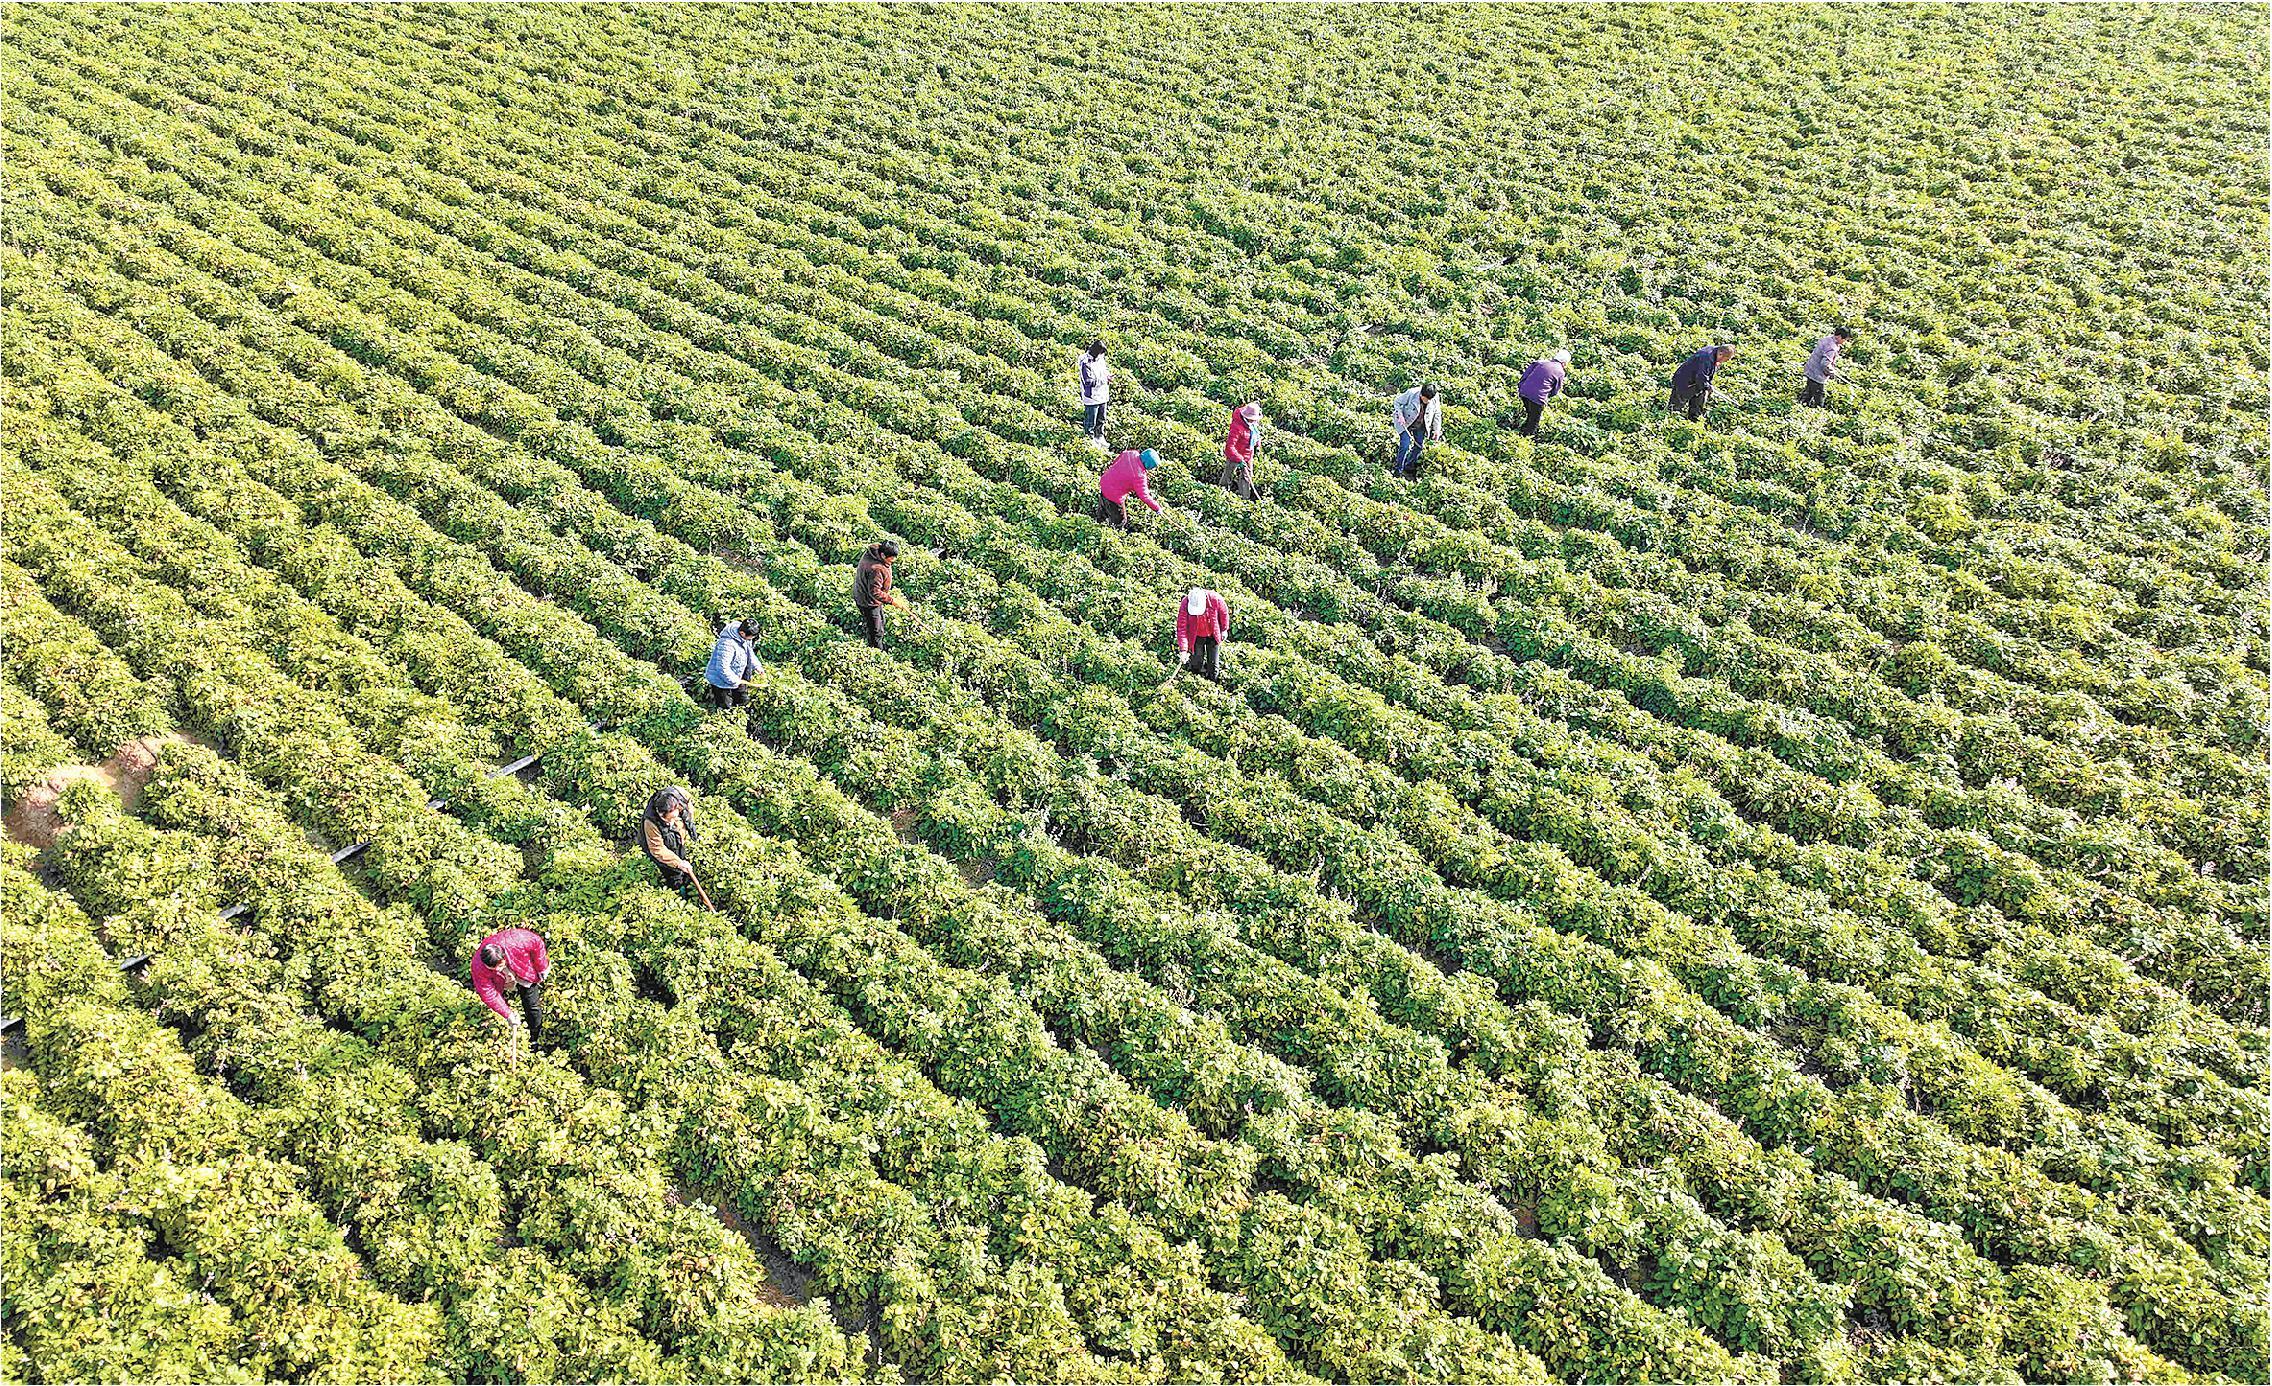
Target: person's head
1427, 392
886, 551
1843, 334
1251, 411
492, 955
1195, 601
748, 629
1562, 357
1724, 351
1149, 458
670, 803
1096, 348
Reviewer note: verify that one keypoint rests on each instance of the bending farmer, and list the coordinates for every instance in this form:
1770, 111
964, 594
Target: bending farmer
1540, 383
1822, 367
666, 834
1692, 383
1125, 478
1201, 624
732, 660
513, 958
1418, 417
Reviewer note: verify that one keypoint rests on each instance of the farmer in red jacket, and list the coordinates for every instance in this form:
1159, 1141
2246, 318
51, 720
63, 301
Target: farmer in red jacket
1201, 622
514, 958
1238, 450
1125, 478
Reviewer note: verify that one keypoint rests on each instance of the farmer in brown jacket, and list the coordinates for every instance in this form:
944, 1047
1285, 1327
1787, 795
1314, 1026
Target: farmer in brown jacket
871, 589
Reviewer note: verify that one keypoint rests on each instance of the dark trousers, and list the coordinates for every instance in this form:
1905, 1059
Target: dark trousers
1114, 513
1092, 420
1409, 444
1532, 409
1811, 393
1690, 401
1205, 658
532, 1006
872, 623
726, 697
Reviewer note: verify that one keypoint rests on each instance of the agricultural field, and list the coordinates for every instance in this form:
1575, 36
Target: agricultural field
1775, 897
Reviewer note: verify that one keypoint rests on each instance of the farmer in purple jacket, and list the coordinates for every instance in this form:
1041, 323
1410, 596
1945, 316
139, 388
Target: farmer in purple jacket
1692, 383
1542, 382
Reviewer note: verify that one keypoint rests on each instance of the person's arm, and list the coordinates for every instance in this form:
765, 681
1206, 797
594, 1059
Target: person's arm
1144, 493
1222, 618
1435, 411
652, 836
540, 958
485, 987
1182, 628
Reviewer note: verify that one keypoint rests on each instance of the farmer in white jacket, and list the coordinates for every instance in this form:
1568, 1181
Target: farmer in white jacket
1418, 417
1096, 390
732, 660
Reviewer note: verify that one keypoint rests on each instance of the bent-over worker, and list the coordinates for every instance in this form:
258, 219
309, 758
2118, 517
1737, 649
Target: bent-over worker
1541, 382
1418, 417
513, 958
1125, 478
1692, 382
1201, 623
732, 660
666, 835
1822, 366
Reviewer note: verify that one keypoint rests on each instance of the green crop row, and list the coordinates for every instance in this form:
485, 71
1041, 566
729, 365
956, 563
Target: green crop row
2189, 878
428, 1215
92, 1293
2228, 1221
1115, 1152
186, 1169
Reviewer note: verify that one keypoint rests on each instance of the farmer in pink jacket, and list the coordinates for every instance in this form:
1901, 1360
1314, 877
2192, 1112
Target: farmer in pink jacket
1125, 478
1201, 623
1238, 451
512, 958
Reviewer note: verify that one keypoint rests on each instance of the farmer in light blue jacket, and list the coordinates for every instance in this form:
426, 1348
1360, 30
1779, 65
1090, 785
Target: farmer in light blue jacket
732, 661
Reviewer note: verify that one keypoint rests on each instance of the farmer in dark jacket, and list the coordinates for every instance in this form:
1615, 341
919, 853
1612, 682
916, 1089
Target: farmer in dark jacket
871, 589
666, 835
1692, 383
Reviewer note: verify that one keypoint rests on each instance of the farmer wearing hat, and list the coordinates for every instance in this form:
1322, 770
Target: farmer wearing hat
1202, 621
1418, 417
1238, 450
1540, 383
1125, 478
